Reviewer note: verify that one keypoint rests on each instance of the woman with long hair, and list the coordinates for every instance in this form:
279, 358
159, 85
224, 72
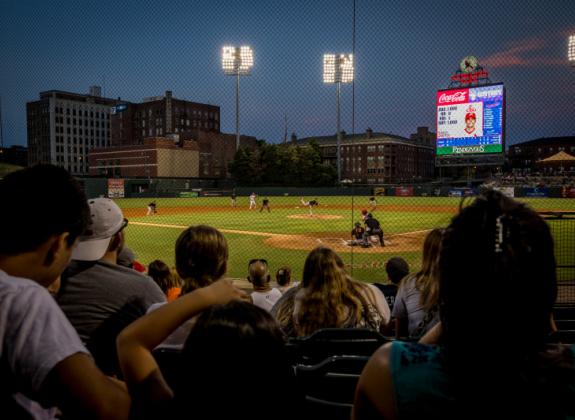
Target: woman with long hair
231, 345
416, 304
492, 358
329, 297
201, 259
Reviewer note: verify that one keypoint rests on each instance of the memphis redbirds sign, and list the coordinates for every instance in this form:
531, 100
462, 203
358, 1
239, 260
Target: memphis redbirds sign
470, 120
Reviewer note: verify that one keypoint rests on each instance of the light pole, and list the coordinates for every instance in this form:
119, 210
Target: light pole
571, 50
338, 69
237, 61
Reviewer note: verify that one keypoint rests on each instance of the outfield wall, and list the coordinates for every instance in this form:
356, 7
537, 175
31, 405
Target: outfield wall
181, 187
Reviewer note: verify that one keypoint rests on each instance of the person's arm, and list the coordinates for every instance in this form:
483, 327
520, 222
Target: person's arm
136, 342
374, 395
432, 336
81, 390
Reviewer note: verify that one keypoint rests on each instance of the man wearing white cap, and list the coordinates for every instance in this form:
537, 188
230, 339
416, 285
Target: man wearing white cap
98, 296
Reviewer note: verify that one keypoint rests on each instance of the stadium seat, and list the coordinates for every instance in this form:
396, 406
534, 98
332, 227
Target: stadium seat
562, 337
329, 386
563, 312
168, 359
335, 342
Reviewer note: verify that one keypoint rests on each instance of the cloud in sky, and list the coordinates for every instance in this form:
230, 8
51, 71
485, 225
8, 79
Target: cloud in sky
529, 52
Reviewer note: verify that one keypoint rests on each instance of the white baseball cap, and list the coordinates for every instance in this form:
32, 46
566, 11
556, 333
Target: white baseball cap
107, 219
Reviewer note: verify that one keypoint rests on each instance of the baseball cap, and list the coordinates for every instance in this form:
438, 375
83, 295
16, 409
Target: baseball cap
106, 220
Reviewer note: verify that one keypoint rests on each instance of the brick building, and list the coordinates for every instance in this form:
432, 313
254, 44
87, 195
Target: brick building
378, 158
156, 157
523, 157
183, 121
63, 127
159, 116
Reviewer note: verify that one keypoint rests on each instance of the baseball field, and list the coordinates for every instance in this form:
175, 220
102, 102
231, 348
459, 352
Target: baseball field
285, 235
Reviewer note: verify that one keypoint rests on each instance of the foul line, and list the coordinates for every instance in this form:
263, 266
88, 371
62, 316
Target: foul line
243, 232
267, 235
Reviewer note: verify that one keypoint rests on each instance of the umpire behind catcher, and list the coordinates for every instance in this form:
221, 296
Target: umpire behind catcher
372, 227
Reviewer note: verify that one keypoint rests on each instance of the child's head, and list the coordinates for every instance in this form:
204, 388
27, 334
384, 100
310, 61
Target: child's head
396, 269
162, 275
283, 276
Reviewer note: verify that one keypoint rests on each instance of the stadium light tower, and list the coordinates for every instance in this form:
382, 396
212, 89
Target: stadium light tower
338, 69
571, 50
237, 61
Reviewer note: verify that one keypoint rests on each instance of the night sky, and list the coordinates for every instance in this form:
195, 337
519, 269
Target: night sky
405, 51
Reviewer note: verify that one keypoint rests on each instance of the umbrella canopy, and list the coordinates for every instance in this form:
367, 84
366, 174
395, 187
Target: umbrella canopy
558, 157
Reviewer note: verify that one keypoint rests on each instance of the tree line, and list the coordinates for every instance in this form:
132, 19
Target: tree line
282, 164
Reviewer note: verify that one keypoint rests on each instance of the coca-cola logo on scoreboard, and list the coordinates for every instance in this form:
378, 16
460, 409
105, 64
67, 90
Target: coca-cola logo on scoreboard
452, 97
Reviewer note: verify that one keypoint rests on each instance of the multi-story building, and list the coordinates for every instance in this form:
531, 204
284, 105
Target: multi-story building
378, 158
63, 127
524, 157
159, 116
157, 157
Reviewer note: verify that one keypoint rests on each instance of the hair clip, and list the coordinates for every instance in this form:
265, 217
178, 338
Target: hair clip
498, 234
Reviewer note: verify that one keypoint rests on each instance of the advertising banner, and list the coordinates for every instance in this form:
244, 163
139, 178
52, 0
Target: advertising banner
115, 188
188, 194
461, 192
470, 120
536, 192
404, 191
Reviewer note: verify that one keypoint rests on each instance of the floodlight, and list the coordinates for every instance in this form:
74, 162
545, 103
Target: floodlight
338, 69
571, 50
237, 61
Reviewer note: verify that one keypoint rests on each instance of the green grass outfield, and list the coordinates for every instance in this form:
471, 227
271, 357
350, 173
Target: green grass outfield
396, 214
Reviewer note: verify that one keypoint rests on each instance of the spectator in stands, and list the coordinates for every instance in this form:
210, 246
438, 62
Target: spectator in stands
263, 296
229, 345
100, 297
328, 297
201, 259
163, 276
284, 280
416, 304
482, 367
44, 363
201, 256
127, 258
396, 269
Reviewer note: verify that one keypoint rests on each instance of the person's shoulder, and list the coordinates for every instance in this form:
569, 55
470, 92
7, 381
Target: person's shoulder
12, 284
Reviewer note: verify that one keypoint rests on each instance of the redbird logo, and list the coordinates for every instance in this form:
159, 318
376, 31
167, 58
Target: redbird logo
460, 96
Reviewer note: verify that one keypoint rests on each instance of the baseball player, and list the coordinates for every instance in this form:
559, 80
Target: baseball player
234, 199
253, 203
265, 205
151, 208
310, 204
372, 204
372, 228
357, 235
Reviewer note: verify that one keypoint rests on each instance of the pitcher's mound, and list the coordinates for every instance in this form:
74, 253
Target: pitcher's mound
315, 216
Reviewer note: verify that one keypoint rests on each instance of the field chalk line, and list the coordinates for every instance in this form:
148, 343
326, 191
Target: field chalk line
267, 235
